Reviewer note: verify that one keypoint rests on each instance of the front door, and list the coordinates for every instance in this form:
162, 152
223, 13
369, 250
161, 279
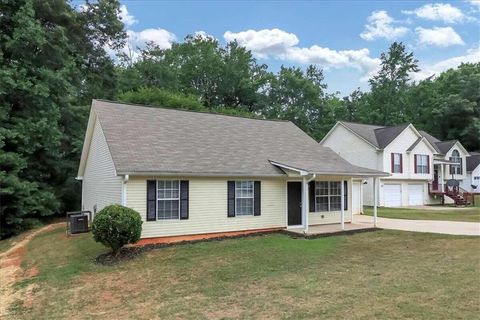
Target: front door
435, 179
294, 190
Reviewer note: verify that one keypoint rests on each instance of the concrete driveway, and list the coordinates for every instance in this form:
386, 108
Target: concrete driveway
433, 226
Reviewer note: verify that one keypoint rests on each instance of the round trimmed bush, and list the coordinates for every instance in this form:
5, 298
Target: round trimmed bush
116, 225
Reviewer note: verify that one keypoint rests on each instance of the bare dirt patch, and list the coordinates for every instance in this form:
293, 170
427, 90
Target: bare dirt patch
11, 272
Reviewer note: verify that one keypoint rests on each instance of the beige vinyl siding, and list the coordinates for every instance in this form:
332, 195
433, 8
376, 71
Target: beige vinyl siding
100, 186
326, 217
208, 207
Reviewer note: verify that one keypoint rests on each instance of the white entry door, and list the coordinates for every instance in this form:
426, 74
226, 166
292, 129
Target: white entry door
392, 194
356, 197
415, 195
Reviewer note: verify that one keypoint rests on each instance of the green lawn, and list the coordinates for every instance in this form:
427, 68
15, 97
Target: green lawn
384, 274
464, 214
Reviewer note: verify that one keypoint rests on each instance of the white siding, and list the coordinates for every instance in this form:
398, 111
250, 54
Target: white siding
358, 152
208, 208
400, 145
447, 173
100, 186
470, 180
353, 149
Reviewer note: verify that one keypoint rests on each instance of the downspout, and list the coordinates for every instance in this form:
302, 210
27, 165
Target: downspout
124, 189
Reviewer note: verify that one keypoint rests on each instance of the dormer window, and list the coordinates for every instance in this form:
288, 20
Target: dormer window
397, 163
456, 166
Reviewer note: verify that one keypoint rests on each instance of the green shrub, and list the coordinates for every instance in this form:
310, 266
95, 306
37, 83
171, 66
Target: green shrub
116, 225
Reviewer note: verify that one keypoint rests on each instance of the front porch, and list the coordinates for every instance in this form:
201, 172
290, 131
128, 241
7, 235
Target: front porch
325, 230
443, 187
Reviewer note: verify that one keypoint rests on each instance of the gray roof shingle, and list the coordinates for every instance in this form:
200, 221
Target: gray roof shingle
473, 161
379, 136
156, 140
444, 146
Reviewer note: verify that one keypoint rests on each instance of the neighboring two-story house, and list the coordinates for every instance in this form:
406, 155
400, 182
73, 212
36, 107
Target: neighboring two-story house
418, 162
472, 181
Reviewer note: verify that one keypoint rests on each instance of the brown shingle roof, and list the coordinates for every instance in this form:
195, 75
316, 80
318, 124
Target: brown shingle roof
160, 140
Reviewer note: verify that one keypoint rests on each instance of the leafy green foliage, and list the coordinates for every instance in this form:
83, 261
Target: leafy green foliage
163, 98
115, 226
53, 62
223, 77
48, 55
387, 100
449, 106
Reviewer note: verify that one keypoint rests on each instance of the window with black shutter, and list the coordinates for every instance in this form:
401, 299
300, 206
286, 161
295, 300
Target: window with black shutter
167, 199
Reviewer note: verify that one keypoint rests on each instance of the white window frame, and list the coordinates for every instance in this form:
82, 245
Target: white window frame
397, 165
457, 162
168, 199
238, 197
422, 165
329, 195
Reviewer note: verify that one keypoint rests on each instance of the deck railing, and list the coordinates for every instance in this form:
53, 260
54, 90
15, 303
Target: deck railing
436, 188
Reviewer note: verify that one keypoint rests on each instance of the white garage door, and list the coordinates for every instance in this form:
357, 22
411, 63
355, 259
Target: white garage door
356, 200
415, 194
393, 195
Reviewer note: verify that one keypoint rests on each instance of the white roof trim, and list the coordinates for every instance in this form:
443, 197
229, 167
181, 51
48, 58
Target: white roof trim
460, 146
302, 172
422, 138
86, 142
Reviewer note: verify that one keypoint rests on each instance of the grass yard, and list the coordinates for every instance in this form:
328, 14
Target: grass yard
470, 214
383, 274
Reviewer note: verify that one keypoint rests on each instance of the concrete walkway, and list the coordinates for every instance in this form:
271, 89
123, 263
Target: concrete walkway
433, 226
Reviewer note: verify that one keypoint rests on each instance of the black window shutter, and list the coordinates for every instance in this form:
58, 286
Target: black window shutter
345, 195
231, 199
184, 186
257, 201
311, 196
151, 200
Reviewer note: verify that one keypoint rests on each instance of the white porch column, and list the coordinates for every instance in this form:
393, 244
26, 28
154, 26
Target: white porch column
375, 200
305, 204
442, 176
342, 204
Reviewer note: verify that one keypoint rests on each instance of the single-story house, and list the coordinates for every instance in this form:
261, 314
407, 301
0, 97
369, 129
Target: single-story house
190, 173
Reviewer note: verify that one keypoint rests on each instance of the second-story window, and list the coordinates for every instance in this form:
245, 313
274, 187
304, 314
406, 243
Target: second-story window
456, 168
397, 163
422, 163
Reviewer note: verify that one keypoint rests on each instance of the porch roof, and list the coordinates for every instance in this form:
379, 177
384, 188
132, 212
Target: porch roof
340, 167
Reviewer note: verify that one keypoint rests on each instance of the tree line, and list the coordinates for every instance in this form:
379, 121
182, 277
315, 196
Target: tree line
54, 62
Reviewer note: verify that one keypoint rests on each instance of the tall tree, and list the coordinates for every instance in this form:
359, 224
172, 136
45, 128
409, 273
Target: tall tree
449, 106
297, 96
46, 50
387, 100
221, 76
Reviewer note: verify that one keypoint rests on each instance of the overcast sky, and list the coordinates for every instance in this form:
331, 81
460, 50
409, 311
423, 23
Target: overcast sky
345, 38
